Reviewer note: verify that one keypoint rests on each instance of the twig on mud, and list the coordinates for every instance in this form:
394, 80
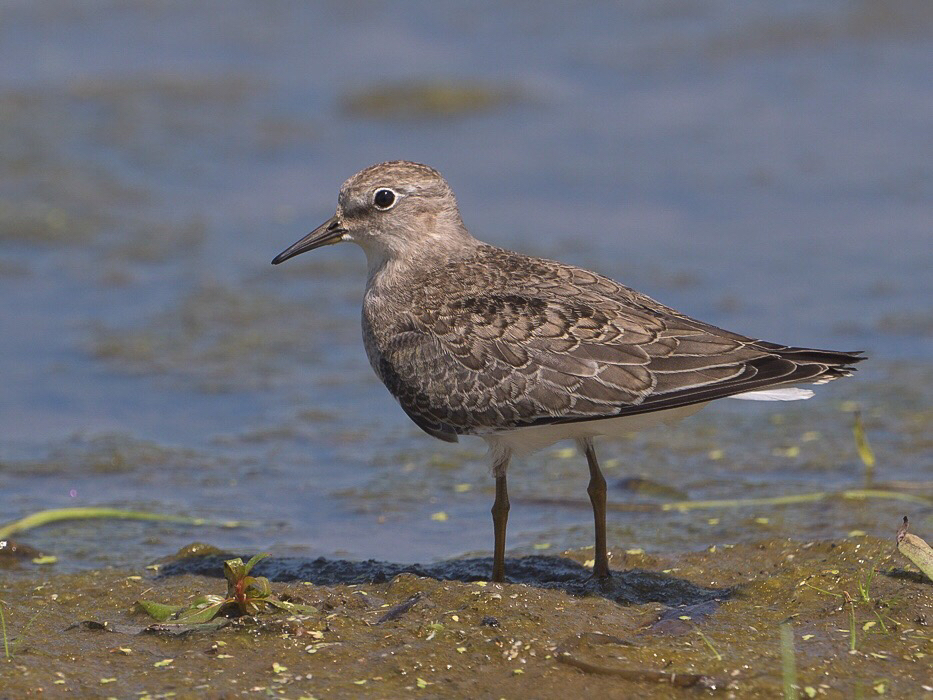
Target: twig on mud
397, 611
678, 680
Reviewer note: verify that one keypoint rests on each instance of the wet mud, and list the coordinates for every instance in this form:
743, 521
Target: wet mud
704, 622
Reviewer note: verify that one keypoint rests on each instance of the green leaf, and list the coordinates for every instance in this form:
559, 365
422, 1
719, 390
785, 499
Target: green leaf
252, 606
203, 601
158, 611
196, 615
255, 560
234, 570
257, 586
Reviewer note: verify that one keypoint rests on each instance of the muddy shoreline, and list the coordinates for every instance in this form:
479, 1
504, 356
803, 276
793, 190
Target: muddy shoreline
711, 621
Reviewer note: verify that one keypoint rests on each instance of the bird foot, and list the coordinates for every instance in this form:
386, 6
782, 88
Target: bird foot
601, 576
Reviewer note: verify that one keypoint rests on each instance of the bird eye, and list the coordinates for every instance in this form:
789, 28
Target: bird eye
384, 198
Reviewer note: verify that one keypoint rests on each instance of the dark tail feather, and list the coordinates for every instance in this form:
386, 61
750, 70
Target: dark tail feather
832, 358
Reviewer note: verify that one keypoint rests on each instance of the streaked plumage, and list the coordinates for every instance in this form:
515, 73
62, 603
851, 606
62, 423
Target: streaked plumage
476, 340
513, 341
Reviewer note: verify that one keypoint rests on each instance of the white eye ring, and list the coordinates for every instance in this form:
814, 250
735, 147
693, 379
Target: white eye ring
384, 198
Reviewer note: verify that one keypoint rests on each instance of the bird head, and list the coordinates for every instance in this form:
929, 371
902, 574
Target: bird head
394, 211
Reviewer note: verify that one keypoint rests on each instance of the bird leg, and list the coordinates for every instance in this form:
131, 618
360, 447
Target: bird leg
500, 516
597, 492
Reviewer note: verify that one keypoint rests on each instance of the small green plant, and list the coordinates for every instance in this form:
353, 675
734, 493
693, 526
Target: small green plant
788, 662
864, 597
250, 594
6, 640
246, 595
864, 587
851, 604
707, 641
9, 644
884, 627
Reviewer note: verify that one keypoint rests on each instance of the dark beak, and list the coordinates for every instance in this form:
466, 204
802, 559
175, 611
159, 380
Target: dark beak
327, 233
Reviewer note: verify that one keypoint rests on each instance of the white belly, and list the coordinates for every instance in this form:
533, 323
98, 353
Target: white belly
527, 440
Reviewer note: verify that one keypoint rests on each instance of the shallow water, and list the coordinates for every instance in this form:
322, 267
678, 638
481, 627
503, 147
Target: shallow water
766, 169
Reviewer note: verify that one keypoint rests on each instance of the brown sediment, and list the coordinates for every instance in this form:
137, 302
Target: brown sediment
860, 624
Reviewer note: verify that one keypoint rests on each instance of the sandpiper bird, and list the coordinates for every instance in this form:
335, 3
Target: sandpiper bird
476, 340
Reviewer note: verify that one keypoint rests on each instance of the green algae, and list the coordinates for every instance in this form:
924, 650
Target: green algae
35, 223
47, 517
158, 242
109, 454
860, 21
218, 338
427, 99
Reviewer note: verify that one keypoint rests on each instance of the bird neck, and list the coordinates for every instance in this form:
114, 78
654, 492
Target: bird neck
388, 263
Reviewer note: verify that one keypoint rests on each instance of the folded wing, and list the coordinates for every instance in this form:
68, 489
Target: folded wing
585, 349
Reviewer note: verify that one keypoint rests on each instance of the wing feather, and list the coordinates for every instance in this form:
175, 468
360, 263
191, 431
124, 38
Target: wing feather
521, 341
